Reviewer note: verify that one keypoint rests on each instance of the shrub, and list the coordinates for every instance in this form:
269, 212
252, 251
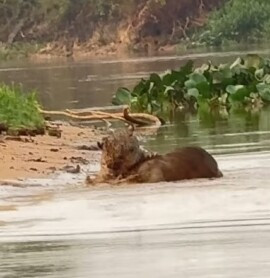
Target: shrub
18, 111
238, 20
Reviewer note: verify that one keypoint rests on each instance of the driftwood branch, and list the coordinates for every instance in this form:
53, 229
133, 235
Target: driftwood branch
140, 119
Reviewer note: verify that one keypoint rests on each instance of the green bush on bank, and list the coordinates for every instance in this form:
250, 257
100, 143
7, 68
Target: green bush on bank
245, 82
19, 112
237, 21
18, 50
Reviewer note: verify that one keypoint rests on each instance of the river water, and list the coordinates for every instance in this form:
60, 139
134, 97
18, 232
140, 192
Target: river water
201, 228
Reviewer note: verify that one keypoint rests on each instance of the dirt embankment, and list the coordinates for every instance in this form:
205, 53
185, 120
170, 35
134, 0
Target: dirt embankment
40, 156
103, 27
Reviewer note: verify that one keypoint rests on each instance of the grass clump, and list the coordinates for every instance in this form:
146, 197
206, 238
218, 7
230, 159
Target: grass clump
19, 112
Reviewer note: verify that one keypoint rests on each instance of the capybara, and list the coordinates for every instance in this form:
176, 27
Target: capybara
181, 164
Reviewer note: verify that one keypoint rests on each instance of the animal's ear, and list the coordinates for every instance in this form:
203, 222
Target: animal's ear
100, 145
131, 130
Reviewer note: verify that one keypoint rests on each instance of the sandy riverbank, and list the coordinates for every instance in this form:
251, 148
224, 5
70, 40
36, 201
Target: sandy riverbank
40, 156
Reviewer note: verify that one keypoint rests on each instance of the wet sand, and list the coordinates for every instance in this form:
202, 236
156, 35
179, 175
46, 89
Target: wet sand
40, 156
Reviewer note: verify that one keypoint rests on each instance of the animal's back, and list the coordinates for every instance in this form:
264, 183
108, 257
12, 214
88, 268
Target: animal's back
185, 163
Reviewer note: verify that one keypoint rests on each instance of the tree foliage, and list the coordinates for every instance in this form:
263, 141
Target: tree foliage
238, 21
47, 20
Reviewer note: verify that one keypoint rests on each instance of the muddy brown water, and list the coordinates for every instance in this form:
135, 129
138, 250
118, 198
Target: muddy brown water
202, 228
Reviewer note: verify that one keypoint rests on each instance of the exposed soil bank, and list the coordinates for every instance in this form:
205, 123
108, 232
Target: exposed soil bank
112, 50
100, 27
40, 156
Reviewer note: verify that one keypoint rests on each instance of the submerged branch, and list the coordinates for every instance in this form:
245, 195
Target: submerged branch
141, 119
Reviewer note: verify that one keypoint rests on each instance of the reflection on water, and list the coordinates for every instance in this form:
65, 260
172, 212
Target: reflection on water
170, 254
201, 228
241, 131
33, 259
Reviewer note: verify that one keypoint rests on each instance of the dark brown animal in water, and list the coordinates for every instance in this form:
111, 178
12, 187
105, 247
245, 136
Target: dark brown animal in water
123, 160
181, 164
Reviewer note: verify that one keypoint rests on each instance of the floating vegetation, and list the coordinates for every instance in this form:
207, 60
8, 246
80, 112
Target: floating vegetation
245, 83
19, 112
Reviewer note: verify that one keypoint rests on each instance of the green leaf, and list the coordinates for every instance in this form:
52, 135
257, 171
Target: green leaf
237, 92
167, 79
259, 73
122, 96
223, 75
189, 84
155, 78
194, 92
156, 106
203, 68
198, 81
232, 89
187, 68
264, 91
143, 100
178, 77
167, 90
204, 89
133, 100
253, 61
266, 79
140, 88
197, 77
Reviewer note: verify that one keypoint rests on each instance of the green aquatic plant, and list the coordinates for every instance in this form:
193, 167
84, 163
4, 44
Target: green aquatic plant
244, 82
19, 112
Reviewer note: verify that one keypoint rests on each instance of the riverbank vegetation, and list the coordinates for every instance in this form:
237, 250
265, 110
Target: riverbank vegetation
245, 82
62, 27
235, 22
100, 26
19, 112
